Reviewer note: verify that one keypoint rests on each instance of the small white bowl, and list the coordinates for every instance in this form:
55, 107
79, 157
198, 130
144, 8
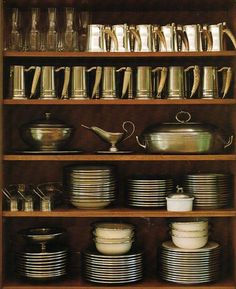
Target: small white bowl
113, 230
190, 226
113, 240
179, 233
179, 204
114, 248
190, 242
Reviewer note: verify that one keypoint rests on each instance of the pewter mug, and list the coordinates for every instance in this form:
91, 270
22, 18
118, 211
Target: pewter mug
210, 82
78, 82
47, 84
100, 37
168, 32
145, 34
17, 81
109, 82
177, 82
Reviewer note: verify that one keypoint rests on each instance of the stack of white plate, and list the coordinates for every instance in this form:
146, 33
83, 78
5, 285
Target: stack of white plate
149, 191
211, 191
190, 266
42, 266
90, 186
113, 269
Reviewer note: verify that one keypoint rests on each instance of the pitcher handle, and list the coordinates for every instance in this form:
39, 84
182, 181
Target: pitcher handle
126, 130
126, 80
97, 81
35, 81
226, 80
161, 36
113, 37
137, 37
196, 78
162, 81
64, 93
229, 33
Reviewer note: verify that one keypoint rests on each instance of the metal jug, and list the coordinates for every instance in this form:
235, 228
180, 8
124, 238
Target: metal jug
177, 82
210, 82
17, 81
47, 83
217, 33
145, 34
121, 32
99, 38
192, 32
134, 40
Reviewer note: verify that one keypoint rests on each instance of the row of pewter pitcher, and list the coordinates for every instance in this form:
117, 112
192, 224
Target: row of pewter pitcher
110, 82
153, 37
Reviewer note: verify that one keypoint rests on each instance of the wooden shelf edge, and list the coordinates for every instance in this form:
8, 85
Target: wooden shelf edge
116, 157
8, 54
119, 102
120, 212
72, 284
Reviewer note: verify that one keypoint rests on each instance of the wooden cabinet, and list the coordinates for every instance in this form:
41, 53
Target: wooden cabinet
151, 225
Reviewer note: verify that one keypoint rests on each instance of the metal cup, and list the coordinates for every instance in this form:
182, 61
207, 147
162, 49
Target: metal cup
47, 84
210, 82
78, 82
121, 32
168, 33
192, 32
109, 82
144, 82
17, 81
145, 34
177, 82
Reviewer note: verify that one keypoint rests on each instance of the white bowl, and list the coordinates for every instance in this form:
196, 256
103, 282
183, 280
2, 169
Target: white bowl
113, 240
113, 248
179, 233
179, 205
190, 226
113, 230
190, 242
90, 204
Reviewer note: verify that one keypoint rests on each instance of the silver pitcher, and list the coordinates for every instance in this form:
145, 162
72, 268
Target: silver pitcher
17, 81
109, 82
217, 33
121, 32
177, 82
99, 38
210, 82
47, 83
192, 32
134, 39
79, 82
145, 34
168, 32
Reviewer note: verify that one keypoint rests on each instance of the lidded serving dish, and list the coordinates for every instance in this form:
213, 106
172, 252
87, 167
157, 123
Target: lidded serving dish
183, 137
46, 134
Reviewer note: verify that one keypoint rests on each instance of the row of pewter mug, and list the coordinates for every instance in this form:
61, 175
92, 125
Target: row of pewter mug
153, 37
109, 82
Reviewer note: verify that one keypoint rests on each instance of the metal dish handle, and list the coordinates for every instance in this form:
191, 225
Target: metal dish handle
183, 114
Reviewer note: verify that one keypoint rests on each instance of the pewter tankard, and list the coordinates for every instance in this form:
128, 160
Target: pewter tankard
47, 84
210, 82
121, 32
193, 35
177, 82
17, 81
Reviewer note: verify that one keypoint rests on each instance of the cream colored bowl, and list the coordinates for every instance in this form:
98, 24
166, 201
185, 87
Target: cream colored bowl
113, 230
179, 233
190, 226
190, 242
113, 248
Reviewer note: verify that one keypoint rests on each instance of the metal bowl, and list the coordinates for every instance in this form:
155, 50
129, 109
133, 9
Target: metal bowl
46, 134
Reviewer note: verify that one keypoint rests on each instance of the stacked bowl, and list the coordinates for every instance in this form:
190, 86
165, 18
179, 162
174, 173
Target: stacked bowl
210, 191
113, 238
149, 191
189, 234
90, 186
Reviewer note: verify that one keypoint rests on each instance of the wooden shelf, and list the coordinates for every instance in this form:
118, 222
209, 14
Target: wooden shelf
75, 284
117, 157
56, 54
119, 213
158, 102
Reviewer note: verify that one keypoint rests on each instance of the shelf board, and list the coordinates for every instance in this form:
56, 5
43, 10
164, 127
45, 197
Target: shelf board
119, 212
151, 283
57, 54
119, 102
117, 157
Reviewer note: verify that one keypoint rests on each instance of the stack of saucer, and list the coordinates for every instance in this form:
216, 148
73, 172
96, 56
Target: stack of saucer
210, 191
90, 186
190, 266
106, 269
149, 191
